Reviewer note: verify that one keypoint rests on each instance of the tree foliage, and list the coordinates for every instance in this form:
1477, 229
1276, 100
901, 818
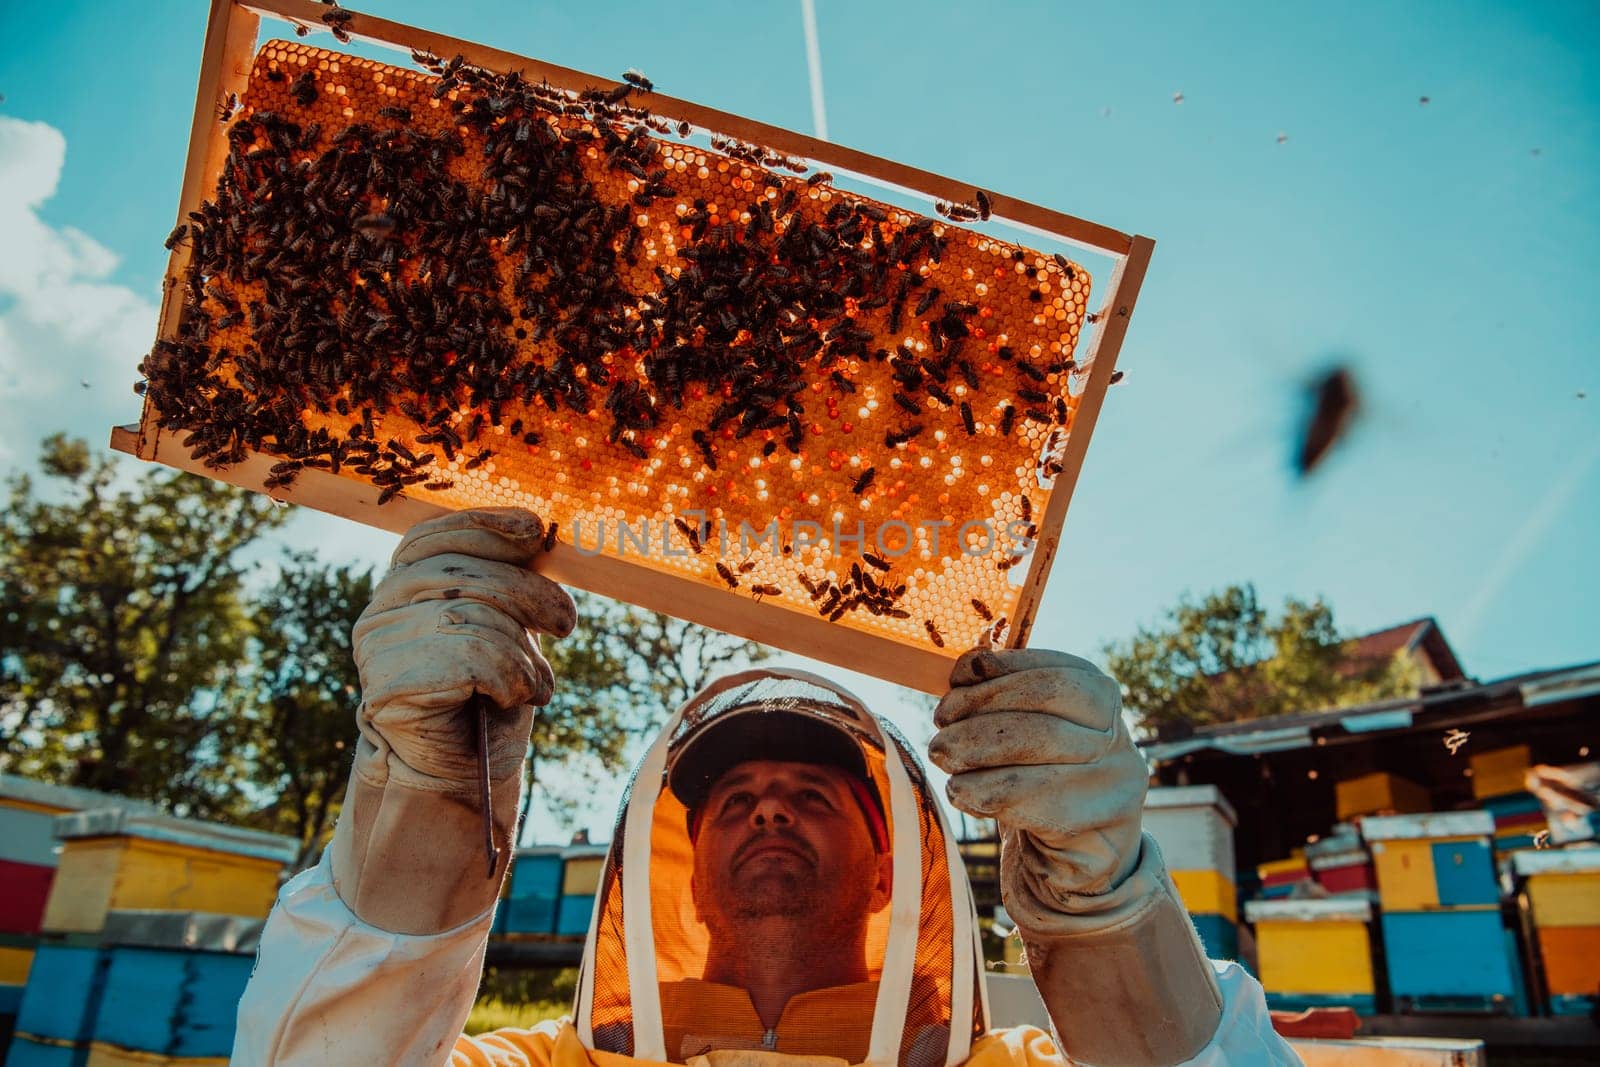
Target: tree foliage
146, 650
301, 695
1226, 658
122, 623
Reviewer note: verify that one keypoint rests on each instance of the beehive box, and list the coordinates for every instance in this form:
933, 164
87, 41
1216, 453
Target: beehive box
1379, 792
1499, 772
158, 987
581, 868
534, 897
1563, 893
116, 860
1193, 824
1463, 959
710, 373
28, 847
1315, 953
1435, 861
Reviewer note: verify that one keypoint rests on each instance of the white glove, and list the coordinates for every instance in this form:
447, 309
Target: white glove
457, 614
1036, 740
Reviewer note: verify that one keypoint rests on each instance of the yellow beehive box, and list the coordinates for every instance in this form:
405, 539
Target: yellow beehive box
1207, 892
1314, 947
1563, 887
1379, 792
117, 860
14, 964
581, 869
1496, 773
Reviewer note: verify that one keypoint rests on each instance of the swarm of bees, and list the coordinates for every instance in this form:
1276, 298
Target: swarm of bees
475, 270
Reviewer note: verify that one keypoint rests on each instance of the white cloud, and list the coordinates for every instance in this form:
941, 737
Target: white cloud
70, 337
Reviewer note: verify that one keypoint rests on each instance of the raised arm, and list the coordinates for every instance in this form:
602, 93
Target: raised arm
375, 954
1035, 740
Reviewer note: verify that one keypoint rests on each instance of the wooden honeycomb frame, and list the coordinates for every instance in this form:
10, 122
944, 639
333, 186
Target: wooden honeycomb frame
230, 53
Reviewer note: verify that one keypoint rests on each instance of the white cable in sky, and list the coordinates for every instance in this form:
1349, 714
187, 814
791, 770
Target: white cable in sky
1527, 537
819, 116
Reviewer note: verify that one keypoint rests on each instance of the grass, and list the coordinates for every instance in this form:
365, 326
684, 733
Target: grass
490, 1013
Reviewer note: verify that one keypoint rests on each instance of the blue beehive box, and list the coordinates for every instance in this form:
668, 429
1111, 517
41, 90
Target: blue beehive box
1451, 960
178, 1002
63, 993
531, 904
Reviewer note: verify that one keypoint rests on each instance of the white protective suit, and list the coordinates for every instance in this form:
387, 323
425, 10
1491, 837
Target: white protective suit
330, 988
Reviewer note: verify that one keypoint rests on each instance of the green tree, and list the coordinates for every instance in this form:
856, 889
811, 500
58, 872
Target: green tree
1226, 658
123, 625
302, 695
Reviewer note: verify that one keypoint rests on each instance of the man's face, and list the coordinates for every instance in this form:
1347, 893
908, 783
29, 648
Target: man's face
779, 838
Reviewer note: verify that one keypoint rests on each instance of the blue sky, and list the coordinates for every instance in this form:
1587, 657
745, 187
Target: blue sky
1445, 250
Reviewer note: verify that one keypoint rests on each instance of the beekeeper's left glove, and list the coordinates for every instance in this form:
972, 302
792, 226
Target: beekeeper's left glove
1036, 740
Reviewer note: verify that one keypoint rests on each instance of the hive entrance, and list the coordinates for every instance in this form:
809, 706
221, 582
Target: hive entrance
744, 395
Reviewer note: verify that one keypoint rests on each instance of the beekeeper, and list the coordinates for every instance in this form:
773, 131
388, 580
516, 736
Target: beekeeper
782, 884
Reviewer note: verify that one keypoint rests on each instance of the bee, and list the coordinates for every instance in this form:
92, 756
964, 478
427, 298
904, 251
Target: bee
896, 438
440, 485
926, 300
819, 177
997, 632
1116, 376
939, 394
842, 382
907, 403
727, 576
875, 561
968, 372
983, 205
766, 590
275, 75
479, 460
1008, 419
304, 89
864, 481
747, 566
638, 80
394, 111
982, 609
811, 587
550, 534
684, 129
933, 633
966, 419
389, 493
838, 613
1066, 267
182, 231
1033, 396
1027, 508
229, 105
1061, 410
1030, 370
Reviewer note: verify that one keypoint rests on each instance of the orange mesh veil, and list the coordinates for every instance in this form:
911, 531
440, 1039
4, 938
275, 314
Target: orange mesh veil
922, 949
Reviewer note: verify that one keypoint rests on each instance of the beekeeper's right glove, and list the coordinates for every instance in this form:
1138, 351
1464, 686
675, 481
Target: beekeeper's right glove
458, 613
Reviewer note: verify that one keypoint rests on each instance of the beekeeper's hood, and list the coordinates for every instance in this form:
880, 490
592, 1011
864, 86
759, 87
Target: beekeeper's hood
922, 949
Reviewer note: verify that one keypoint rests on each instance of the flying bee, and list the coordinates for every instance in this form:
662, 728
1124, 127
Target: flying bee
727, 576
982, 609
933, 633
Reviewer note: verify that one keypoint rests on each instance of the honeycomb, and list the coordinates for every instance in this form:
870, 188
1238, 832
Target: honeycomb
470, 290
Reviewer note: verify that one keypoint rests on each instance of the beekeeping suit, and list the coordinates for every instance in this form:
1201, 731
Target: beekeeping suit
374, 956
